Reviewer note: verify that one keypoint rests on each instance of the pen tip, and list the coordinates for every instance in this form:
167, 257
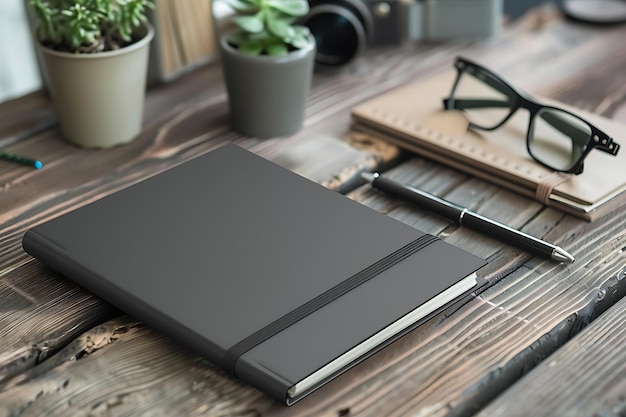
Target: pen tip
560, 254
38, 165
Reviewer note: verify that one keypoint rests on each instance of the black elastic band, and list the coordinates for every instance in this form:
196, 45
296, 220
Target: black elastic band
233, 354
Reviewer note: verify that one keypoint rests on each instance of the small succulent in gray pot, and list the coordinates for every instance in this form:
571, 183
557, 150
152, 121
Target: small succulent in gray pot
268, 65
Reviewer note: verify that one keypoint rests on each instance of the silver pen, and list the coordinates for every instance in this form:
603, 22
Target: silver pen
466, 217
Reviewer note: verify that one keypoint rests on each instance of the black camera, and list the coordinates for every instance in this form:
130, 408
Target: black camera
343, 28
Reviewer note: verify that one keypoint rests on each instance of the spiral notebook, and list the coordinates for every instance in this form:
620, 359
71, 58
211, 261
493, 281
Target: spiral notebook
412, 117
281, 282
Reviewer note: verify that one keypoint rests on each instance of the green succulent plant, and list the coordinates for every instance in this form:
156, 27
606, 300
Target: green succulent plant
267, 26
88, 26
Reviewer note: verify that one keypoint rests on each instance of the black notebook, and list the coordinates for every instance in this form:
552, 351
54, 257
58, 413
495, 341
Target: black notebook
281, 282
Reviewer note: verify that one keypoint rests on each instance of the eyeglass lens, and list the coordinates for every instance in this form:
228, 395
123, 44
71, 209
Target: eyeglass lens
483, 99
557, 138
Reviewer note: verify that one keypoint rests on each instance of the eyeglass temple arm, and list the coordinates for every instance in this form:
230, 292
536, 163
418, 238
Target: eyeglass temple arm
465, 103
579, 136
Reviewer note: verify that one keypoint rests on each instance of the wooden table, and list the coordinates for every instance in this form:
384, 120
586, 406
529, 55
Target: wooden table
544, 339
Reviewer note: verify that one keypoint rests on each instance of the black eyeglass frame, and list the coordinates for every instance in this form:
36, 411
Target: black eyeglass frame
596, 140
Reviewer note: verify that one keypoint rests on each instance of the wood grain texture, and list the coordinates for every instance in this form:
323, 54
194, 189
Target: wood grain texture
24, 117
135, 370
63, 351
593, 363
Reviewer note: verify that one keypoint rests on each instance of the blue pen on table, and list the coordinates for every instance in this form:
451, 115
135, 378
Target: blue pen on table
20, 160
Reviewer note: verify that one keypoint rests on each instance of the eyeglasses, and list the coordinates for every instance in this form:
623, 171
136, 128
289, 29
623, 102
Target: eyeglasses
556, 138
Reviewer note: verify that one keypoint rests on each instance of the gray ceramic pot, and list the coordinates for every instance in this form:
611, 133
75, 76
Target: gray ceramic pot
98, 97
267, 95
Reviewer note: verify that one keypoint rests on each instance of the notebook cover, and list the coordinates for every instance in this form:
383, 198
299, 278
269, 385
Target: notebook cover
412, 117
215, 249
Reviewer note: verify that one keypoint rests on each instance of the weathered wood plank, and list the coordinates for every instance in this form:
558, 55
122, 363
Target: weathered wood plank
24, 117
37, 320
585, 377
145, 375
142, 372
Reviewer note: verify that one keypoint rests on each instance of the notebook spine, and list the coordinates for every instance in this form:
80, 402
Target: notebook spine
61, 261
264, 379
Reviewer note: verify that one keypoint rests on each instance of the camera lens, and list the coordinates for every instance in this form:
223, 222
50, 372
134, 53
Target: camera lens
340, 30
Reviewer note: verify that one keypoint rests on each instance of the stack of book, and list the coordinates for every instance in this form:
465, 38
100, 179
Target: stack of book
184, 39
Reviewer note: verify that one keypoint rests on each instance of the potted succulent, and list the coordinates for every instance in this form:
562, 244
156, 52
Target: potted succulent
94, 56
268, 66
